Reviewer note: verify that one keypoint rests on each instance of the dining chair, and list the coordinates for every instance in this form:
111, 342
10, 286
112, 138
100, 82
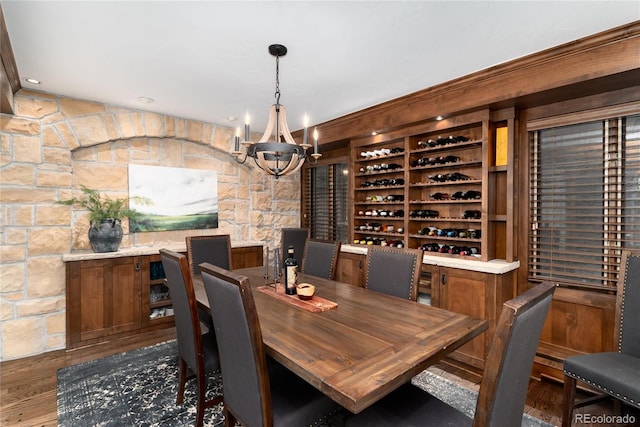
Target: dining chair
393, 271
615, 374
215, 249
197, 352
320, 258
254, 394
505, 380
295, 237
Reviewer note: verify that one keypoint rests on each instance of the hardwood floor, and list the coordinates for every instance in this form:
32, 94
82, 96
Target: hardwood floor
28, 386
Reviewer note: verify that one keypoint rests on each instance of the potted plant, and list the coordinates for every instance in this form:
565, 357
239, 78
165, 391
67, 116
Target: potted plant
105, 218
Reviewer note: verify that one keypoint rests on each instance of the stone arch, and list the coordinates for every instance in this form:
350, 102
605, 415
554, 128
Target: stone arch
39, 145
83, 123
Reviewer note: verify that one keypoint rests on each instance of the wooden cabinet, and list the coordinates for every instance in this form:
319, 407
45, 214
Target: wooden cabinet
103, 298
476, 294
351, 269
247, 256
123, 295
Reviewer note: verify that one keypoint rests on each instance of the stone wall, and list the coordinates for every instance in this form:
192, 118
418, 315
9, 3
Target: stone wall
54, 144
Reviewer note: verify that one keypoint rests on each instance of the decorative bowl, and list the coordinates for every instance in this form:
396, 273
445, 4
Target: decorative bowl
305, 291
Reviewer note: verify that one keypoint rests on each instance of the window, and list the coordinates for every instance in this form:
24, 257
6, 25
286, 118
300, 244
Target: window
584, 200
324, 207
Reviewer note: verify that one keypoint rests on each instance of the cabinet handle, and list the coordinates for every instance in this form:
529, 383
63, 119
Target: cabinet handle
137, 266
360, 264
444, 279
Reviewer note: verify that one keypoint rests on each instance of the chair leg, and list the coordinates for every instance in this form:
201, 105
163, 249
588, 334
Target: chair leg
229, 419
202, 388
569, 397
183, 379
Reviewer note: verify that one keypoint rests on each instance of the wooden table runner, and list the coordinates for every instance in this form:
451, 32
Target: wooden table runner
315, 305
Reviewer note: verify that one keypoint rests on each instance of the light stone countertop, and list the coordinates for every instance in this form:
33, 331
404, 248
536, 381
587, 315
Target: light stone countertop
495, 266
138, 250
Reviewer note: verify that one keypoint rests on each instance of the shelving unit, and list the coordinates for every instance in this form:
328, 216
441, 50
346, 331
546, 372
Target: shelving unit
446, 182
444, 193
380, 195
455, 201
160, 306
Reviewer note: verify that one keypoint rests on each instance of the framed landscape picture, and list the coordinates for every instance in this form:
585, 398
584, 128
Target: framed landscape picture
172, 198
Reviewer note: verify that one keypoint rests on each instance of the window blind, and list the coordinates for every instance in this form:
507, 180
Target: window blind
584, 200
325, 195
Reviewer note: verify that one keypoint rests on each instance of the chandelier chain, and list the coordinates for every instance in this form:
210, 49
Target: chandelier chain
277, 94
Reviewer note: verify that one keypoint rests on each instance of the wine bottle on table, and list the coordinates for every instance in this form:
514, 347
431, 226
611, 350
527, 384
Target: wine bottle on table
290, 272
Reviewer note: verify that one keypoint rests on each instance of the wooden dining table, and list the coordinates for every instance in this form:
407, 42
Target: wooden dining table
363, 348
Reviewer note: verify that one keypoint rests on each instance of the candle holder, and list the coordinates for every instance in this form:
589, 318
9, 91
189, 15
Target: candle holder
266, 264
276, 265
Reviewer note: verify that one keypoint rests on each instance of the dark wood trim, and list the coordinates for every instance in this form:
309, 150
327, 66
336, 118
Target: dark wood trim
9, 77
553, 75
595, 114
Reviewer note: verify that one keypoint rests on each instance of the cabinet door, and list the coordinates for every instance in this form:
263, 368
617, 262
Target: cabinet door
103, 298
464, 292
247, 256
351, 269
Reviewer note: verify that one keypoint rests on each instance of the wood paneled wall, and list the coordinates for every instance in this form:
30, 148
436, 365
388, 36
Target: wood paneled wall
600, 63
598, 72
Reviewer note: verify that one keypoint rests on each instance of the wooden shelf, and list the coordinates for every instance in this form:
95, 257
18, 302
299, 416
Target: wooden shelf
162, 303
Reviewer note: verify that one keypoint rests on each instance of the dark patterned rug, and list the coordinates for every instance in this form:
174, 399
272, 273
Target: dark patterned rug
460, 395
136, 388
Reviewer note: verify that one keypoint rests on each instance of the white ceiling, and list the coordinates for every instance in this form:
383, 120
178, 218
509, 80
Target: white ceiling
208, 60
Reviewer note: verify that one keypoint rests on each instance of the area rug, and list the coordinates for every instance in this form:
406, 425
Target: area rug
459, 393
136, 388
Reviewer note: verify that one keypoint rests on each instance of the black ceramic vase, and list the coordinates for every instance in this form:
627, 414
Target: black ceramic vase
106, 236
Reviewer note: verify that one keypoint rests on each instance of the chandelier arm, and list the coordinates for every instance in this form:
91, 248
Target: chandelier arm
244, 159
294, 164
297, 168
266, 170
261, 162
284, 127
266, 136
277, 158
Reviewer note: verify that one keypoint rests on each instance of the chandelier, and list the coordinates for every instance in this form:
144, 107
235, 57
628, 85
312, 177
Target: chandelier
276, 153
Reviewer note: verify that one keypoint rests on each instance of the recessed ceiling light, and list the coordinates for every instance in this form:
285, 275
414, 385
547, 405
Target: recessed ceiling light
145, 100
439, 118
374, 133
232, 118
32, 81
